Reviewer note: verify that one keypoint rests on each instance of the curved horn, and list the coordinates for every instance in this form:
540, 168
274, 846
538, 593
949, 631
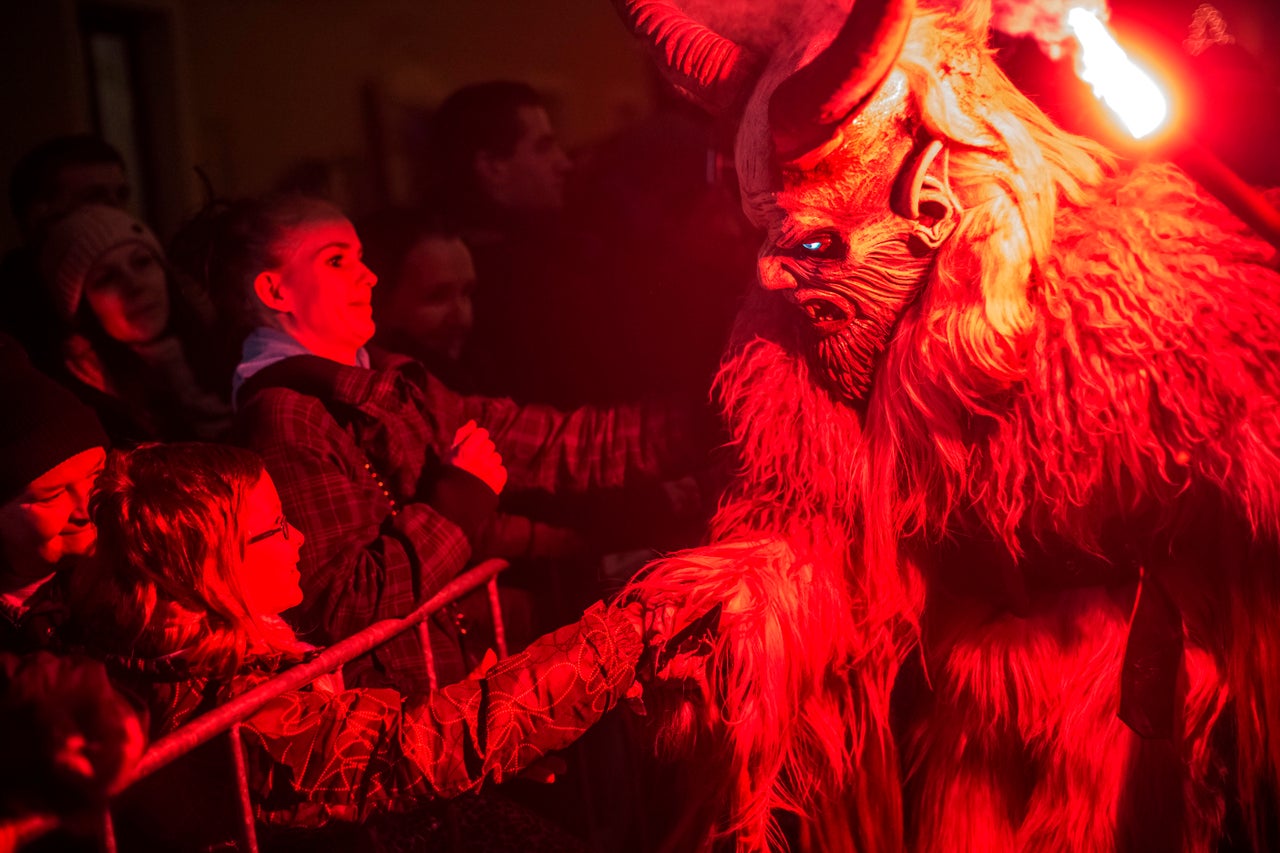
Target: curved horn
808, 106
711, 69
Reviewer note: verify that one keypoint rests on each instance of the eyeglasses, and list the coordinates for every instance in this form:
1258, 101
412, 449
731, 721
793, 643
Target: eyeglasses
282, 527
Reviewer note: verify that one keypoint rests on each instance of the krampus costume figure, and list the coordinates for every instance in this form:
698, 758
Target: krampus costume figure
1007, 415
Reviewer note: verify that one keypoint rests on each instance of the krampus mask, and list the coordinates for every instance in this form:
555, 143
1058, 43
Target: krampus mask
974, 328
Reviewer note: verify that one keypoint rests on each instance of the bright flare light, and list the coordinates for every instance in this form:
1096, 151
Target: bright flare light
1124, 87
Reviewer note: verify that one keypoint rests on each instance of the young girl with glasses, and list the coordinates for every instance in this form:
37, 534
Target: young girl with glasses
196, 563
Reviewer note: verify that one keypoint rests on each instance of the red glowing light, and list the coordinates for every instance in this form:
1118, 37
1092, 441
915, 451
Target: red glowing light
1127, 89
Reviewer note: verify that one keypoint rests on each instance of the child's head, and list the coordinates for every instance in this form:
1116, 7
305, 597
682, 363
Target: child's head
288, 262
195, 554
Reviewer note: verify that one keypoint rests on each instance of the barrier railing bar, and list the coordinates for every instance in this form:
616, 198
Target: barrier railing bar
108, 832
499, 627
428, 654
209, 725
248, 833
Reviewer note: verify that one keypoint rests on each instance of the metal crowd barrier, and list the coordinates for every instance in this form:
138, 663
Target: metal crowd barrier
227, 718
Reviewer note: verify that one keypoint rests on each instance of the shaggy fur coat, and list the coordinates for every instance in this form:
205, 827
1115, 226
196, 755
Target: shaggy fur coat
996, 536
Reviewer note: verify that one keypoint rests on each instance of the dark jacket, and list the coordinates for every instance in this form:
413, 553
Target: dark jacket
354, 454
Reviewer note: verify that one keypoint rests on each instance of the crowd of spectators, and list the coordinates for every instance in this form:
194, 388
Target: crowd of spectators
224, 450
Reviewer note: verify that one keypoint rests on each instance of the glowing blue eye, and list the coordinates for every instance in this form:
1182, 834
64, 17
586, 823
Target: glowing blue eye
821, 244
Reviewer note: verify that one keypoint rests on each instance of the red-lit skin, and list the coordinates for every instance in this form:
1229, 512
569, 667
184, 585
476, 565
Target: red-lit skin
473, 451
128, 292
268, 574
50, 520
321, 290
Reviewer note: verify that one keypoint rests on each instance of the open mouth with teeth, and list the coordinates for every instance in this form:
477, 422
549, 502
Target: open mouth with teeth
828, 314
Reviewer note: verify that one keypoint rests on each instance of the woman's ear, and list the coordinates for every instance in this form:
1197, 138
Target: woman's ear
266, 285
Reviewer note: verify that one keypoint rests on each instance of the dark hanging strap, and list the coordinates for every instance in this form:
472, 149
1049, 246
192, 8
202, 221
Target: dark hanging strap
1152, 660
306, 374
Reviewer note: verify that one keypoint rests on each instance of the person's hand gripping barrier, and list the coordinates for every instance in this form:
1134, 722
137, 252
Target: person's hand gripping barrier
473, 451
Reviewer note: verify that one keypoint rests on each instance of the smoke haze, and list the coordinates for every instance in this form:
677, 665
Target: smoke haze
1043, 20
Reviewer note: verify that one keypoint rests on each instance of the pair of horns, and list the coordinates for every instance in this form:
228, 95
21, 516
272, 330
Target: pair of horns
806, 109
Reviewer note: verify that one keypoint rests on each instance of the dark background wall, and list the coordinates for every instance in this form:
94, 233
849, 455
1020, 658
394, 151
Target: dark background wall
336, 91
252, 90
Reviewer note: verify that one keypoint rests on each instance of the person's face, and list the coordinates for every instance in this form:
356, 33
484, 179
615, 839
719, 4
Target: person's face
127, 291
322, 290
532, 179
85, 183
50, 519
432, 302
269, 572
77, 184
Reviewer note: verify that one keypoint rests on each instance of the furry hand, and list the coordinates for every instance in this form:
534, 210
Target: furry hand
676, 641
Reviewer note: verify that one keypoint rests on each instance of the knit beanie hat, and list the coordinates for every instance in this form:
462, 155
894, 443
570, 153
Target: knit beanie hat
42, 424
74, 243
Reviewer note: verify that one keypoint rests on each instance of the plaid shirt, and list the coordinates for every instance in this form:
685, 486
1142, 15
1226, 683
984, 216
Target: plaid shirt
344, 443
316, 755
